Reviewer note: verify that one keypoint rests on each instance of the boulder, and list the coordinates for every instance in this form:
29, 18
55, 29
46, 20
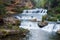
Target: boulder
58, 32
33, 20
42, 24
11, 20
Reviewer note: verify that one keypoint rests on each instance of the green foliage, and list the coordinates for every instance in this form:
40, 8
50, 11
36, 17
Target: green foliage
57, 9
14, 27
51, 13
52, 19
20, 9
2, 9
40, 3
43, 3
9, 26
58, 16
24, 30
44, 17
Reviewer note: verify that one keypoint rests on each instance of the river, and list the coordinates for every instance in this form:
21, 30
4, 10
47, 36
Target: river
37, 33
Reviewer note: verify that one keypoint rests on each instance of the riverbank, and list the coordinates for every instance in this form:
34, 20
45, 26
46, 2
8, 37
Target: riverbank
10, 26
7, 32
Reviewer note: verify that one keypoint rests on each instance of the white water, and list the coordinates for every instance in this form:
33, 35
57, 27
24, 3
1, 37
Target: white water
51, 28
33, 25
29, 25
30, 15
37, 33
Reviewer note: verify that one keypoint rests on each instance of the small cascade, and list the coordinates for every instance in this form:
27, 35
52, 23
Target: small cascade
48, 28
37, 33
35, 11
57, 27
27, 24
33, 25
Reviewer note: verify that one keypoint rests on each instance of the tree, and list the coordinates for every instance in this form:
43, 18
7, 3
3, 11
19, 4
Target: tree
2, 8
43, 3
40, 3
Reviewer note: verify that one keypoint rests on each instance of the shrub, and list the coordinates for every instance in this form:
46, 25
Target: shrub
44, 17
52, 19
2, 9
57, 9
20, 9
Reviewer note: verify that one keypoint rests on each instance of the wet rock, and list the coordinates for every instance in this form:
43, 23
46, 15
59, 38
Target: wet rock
33, 20
58, 32
42, 24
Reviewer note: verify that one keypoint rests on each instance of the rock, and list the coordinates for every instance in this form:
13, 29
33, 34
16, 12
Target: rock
11, 12
33, 20
42, 24
7, 32
11, 20
11, 27
58, 32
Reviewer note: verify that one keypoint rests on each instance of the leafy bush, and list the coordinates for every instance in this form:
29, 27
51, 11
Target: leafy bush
44, 17
2, 9
57, 9
58, 16
52, 19
20, 9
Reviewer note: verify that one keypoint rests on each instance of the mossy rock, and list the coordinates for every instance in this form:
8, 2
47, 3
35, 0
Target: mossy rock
58, 32
42, 24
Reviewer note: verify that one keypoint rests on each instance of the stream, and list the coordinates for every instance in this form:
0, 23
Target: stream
36, 33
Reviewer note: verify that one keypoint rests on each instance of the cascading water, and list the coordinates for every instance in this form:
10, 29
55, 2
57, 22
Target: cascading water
51, 27
36, 32
31, 14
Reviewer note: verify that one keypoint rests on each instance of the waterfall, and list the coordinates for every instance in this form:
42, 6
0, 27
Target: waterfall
33, 25
27, 24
